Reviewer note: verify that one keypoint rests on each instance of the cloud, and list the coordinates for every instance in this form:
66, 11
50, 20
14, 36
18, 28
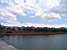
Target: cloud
62, 9
42, 25
46, 9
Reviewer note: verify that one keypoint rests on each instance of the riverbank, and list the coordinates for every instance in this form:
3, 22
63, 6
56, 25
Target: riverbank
5, 46
35, 33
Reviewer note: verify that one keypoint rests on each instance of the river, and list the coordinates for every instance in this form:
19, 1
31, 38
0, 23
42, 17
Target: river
51, 42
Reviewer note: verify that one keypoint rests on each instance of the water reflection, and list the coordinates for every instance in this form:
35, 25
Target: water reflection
52, 42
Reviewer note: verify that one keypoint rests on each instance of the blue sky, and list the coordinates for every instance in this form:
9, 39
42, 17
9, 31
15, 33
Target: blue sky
52, 13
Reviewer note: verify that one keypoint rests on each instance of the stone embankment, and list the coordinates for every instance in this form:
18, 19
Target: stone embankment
5, 46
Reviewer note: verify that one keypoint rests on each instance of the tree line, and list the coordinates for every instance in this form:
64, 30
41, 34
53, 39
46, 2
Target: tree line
6, 29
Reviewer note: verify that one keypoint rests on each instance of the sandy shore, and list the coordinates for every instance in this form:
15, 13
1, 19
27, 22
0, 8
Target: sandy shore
5, 46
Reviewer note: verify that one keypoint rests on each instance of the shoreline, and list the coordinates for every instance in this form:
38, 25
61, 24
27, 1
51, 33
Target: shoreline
34, 33
5, 46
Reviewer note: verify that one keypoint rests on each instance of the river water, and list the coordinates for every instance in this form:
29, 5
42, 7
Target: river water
51, 42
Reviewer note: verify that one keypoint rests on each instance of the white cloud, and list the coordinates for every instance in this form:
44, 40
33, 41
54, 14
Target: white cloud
53, 16
48, 9
42, 25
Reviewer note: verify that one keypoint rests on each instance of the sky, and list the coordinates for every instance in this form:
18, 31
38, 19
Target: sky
38, 13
